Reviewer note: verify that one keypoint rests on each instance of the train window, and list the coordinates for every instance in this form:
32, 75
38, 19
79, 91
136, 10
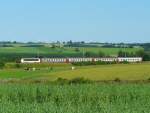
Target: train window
31, 59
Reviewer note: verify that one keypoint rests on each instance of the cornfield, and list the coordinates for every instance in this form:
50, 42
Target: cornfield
77, 98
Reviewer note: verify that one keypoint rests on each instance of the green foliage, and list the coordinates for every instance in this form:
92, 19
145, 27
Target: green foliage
61, 81
77, 49
92, 63
80, 98
148, 79
146, 56
80, 80
124, 62
17, 65
2, 64
117, 80
77, 80
101, 54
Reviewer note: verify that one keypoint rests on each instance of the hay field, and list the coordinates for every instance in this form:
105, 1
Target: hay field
139, 71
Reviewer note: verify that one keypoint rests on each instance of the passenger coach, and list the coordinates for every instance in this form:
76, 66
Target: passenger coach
71, 60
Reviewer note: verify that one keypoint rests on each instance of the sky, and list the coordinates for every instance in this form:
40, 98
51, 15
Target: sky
77, 20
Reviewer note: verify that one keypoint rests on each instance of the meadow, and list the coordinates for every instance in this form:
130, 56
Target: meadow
63, 50
51, 72
56, 88
75, 98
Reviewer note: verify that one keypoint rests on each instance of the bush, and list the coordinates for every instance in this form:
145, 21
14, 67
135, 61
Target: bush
62, 81
92, 63
2, 64
125, 62
117, 80
17, 65
148, 79
79, 81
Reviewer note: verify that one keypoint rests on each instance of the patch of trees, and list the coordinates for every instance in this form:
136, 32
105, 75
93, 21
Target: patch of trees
6, 45
15, 57
93, 54
79, 44
146, 46
33, 45
77, 49
139, 53
146, 56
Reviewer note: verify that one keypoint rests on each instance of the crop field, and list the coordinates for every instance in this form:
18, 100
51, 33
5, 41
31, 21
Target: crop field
76, 98
137, 71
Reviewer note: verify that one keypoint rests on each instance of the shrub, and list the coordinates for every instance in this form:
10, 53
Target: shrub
125, 62
148, 79
92, 63
61, 81
17, 65
117, 80
79, 81
2, 64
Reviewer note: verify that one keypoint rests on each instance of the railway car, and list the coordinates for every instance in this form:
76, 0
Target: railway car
71, 60
130, 59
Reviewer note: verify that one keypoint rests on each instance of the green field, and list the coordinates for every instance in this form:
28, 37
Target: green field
51, 72
81, 98
65, 50
49, 89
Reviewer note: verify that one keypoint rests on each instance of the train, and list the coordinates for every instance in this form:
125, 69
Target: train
72, 60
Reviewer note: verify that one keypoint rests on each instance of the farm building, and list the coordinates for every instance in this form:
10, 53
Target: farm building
71, 60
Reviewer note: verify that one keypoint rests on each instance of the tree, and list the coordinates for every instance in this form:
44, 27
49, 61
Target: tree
14, 42
140, 53
82, 42
101, 54
120, 53
88, 54
53, 46
123, 54
146, 56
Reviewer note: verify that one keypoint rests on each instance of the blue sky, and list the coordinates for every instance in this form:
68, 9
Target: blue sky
77, 20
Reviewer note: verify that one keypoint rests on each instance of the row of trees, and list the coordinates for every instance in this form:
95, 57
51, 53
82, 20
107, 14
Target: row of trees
139, 53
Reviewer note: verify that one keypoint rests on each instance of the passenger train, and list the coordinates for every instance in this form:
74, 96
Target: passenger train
71, 60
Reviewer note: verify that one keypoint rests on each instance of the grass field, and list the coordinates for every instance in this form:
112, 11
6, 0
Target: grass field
25, 91
81, 98
139, 71
48, 50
